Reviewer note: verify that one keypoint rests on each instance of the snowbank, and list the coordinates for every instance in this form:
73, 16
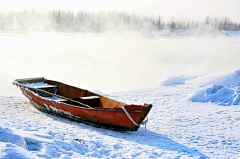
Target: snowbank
13, 146
218, 94
44, 145
221, 88
7, 136
228, 79
8, 150
176, 80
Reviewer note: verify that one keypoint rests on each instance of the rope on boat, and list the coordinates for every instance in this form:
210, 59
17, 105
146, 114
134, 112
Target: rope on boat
128, 115
144, 122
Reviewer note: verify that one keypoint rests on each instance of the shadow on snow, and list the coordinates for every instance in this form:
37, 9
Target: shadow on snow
142, 136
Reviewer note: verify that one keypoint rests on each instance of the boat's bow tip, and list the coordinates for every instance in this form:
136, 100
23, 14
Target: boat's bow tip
148, 105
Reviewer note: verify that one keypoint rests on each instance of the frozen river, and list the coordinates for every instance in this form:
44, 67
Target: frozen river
112, 62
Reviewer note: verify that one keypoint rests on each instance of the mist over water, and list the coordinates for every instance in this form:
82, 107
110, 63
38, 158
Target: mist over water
112, 62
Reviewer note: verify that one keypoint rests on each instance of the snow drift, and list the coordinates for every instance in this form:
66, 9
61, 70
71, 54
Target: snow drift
220, 88
6, 136
43, 145
219, 94
175, 80
228, 79
8, 150
13, 146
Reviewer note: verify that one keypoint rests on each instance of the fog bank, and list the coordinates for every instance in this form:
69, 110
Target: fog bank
106, 21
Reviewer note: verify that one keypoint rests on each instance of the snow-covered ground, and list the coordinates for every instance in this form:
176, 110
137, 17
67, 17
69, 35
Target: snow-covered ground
177, 126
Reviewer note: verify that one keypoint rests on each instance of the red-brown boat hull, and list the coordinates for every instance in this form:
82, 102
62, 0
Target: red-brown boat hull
110, 117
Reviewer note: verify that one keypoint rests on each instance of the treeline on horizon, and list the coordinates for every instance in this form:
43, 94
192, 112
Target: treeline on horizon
82, 21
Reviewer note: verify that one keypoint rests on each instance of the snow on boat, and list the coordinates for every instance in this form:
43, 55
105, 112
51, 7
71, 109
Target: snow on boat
82, 105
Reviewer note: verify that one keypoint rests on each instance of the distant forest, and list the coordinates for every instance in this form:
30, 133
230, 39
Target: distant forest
82, 21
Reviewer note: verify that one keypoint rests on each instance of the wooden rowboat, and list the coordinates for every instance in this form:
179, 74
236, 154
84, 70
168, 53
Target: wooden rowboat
82, 105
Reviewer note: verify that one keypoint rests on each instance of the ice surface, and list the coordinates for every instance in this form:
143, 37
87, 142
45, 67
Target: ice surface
181, 32
232, 33
112, 62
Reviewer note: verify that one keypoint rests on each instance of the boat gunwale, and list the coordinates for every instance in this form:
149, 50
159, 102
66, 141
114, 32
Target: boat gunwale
96, 108
44, 79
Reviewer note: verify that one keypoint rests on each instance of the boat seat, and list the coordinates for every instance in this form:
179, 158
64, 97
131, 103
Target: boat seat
90, 97
92, 101
48, 88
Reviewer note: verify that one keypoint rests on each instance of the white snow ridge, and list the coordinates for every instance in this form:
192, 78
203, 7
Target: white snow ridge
220, 88
223, 88
13, 146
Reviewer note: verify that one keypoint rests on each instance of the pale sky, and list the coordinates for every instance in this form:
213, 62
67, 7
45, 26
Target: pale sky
187, 9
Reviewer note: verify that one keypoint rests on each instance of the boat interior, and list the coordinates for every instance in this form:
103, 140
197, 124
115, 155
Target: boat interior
67, 94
